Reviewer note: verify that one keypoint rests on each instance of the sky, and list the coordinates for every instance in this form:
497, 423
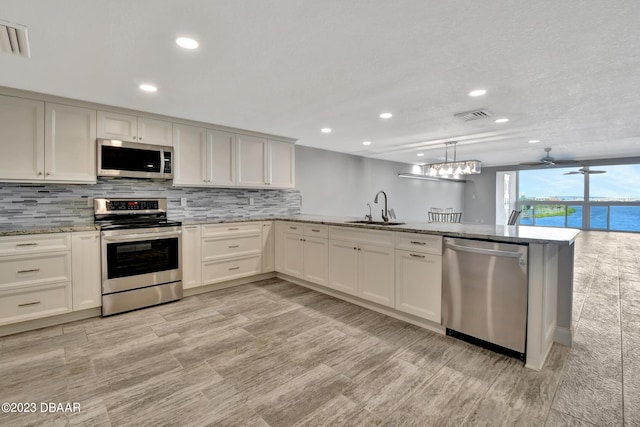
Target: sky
620, 181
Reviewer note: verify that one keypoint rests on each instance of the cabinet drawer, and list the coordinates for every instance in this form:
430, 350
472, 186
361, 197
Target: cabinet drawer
35, 243
294, 228
359, 235
219, 248
26, 303
214, 230
219, 271
35, 269
426, 243
316, 230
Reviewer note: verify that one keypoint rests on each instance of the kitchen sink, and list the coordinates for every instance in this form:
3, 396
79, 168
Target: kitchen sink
364, 221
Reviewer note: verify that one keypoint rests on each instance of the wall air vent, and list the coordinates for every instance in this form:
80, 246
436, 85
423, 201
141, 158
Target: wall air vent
473, 115
14, 39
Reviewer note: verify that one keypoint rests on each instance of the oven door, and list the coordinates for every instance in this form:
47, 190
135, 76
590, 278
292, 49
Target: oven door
138, 258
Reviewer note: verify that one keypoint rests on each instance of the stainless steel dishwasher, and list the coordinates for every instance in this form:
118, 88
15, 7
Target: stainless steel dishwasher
484, 294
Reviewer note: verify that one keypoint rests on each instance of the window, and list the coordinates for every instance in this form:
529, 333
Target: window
603, 198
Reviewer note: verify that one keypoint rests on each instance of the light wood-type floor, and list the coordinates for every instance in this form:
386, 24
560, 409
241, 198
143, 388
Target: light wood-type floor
277, 354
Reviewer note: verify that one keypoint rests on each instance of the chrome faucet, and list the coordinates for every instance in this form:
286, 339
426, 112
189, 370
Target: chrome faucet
370, 216
385, 211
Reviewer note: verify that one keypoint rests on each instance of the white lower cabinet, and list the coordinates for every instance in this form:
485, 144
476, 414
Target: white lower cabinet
293, 258
191, 256
306, 258
35, 277
231, 251
376, 279
316, 260
419, 275
85, 270
343, 266
419, 284
268, 247
363, 269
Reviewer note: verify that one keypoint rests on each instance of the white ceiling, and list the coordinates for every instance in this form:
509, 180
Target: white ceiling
564, 72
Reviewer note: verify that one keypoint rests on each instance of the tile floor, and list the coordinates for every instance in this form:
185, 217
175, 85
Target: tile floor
276, 354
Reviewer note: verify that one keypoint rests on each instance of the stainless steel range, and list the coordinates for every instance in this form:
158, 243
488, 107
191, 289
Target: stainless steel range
141, 254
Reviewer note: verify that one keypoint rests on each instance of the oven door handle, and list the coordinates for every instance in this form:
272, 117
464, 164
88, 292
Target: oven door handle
141, 236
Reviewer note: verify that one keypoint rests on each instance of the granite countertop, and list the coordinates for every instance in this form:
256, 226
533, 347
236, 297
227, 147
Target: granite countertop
498, 233
12, 230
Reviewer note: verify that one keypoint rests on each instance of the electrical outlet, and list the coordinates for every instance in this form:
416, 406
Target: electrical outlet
183, 202
250, 201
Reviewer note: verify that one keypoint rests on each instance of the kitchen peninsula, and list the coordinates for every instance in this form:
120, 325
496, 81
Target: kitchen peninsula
387, 275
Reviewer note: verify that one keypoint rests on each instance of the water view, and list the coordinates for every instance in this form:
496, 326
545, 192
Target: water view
610, 185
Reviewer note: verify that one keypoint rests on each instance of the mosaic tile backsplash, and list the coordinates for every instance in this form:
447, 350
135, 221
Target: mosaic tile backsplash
72, 204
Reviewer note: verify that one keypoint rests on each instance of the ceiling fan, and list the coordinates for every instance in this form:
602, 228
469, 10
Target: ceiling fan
584, 171
549, 161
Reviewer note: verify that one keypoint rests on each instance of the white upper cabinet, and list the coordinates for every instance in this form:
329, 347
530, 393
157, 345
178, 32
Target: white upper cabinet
131, 128
22, 139
117, 126
203, 157
155, 132
190, 154
69, 143
252, 163
46, 141
265, 163
280, 164
221, 157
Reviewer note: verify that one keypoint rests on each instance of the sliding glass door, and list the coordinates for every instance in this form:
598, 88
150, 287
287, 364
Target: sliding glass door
595, 197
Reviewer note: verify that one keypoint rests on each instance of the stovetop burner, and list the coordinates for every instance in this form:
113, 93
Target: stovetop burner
131, 213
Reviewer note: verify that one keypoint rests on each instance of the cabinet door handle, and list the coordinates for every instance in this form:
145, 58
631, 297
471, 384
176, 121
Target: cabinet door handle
26, 244
416, 256
33, 270
134, 137
413, 242
39, 173
293, 228
234, 268
234, 246
315, 230
29, 303
234, 229
190, 227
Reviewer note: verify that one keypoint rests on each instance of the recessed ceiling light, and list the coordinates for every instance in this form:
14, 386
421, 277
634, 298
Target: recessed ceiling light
533, 141
420, 154
325, 130
504, 120
366, 143
148, 88
477, 92
187, 43
386, 115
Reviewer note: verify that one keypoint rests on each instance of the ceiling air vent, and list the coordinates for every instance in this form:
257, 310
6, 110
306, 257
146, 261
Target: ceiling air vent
473, 115
14, 39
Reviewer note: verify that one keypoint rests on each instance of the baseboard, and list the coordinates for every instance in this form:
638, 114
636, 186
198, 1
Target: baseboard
414, 320
30, 325
563, 336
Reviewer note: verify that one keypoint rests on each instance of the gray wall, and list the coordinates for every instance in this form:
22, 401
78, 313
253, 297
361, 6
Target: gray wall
338, 184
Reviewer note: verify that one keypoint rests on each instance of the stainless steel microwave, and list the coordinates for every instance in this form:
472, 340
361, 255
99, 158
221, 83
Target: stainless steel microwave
134, 160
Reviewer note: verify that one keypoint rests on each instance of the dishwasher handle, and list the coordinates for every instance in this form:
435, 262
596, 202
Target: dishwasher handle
490, 252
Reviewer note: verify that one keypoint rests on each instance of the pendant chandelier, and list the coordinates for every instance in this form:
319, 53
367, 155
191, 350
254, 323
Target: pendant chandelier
455, 168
